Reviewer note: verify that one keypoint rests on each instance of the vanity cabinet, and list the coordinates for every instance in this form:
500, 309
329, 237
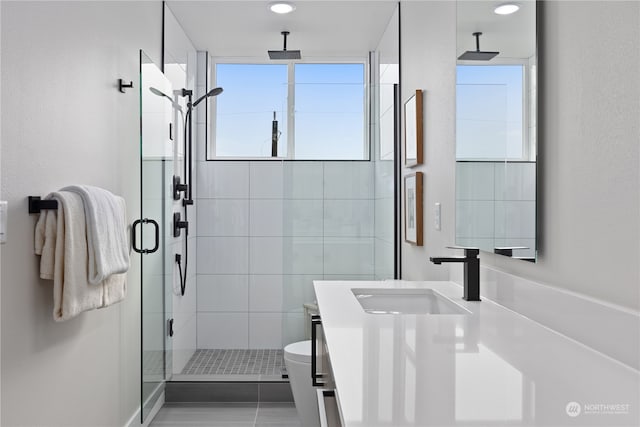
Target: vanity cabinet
322, 377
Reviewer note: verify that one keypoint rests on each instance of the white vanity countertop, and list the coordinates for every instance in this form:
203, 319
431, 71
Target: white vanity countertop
492, 367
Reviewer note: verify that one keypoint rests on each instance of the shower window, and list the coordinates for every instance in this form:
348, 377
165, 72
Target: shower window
303, 111
253, 93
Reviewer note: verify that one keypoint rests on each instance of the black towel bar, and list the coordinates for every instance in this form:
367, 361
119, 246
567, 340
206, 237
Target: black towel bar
36, 204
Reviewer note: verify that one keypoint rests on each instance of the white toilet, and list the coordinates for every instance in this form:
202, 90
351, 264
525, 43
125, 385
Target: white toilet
297, 358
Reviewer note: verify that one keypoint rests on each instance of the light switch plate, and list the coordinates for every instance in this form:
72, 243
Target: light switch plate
438, 218
3, 221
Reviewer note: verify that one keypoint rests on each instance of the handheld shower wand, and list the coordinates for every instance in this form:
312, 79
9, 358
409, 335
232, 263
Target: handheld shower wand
213, 92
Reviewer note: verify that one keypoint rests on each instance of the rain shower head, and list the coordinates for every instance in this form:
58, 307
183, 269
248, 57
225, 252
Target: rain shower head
477, 55
213, 92
284, 54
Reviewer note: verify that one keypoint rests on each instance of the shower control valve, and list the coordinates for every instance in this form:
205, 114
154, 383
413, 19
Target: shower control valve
178, 225
178, 188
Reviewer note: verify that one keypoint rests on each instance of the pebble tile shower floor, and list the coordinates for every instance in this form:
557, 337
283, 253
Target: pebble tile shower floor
236, 362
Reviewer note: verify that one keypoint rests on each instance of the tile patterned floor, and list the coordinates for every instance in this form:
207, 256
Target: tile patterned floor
235, 362
227, 414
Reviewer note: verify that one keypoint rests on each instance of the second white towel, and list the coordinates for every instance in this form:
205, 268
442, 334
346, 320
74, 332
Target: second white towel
107, 240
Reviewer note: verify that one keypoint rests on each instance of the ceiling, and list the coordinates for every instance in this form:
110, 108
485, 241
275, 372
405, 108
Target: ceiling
320, 29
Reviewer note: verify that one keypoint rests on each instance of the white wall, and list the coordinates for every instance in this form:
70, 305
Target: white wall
65, 122
588, 135
428, 62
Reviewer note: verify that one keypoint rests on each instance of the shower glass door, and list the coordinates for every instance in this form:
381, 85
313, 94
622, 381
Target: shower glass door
154, 230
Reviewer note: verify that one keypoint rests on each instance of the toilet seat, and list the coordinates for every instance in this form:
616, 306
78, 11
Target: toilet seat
298, 351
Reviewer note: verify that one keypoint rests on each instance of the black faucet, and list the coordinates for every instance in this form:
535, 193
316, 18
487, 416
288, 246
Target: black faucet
471, 270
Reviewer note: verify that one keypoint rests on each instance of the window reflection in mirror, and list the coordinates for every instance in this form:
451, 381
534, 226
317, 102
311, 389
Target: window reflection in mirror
496, 131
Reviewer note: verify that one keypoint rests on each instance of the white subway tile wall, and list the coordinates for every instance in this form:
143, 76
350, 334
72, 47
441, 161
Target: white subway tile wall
303, 255
348, 255
348, 180
266, 230
303, 218
223, 330
265, 330
303, 180
495, 205
223, 293
266, 180
348, 218
266, 217
223, 217
265, 255
223, 255
223, 180
266, 293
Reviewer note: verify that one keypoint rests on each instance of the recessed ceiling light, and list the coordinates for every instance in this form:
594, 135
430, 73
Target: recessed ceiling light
282, 7
506, 9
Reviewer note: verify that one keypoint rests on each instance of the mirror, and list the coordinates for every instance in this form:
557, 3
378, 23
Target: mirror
496, 120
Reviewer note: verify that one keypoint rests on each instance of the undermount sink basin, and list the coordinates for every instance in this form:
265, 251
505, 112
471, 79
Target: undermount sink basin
405, 301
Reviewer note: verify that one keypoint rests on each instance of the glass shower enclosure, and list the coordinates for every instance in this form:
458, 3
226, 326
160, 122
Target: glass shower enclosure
152, 231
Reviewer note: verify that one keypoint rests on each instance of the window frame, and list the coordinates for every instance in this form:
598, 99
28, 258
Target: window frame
210, 150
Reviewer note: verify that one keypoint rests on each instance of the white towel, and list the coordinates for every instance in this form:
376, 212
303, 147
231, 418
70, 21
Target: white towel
45, 244
61, 240
107, 239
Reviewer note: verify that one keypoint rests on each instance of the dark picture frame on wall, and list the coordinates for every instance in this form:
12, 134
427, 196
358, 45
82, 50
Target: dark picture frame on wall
413, 130
413, 208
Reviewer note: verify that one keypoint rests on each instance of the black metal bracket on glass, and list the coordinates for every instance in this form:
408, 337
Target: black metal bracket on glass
133, 236
315, 376
36, 204
122, 85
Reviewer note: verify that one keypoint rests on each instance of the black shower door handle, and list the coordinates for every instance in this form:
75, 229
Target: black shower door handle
133, 236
